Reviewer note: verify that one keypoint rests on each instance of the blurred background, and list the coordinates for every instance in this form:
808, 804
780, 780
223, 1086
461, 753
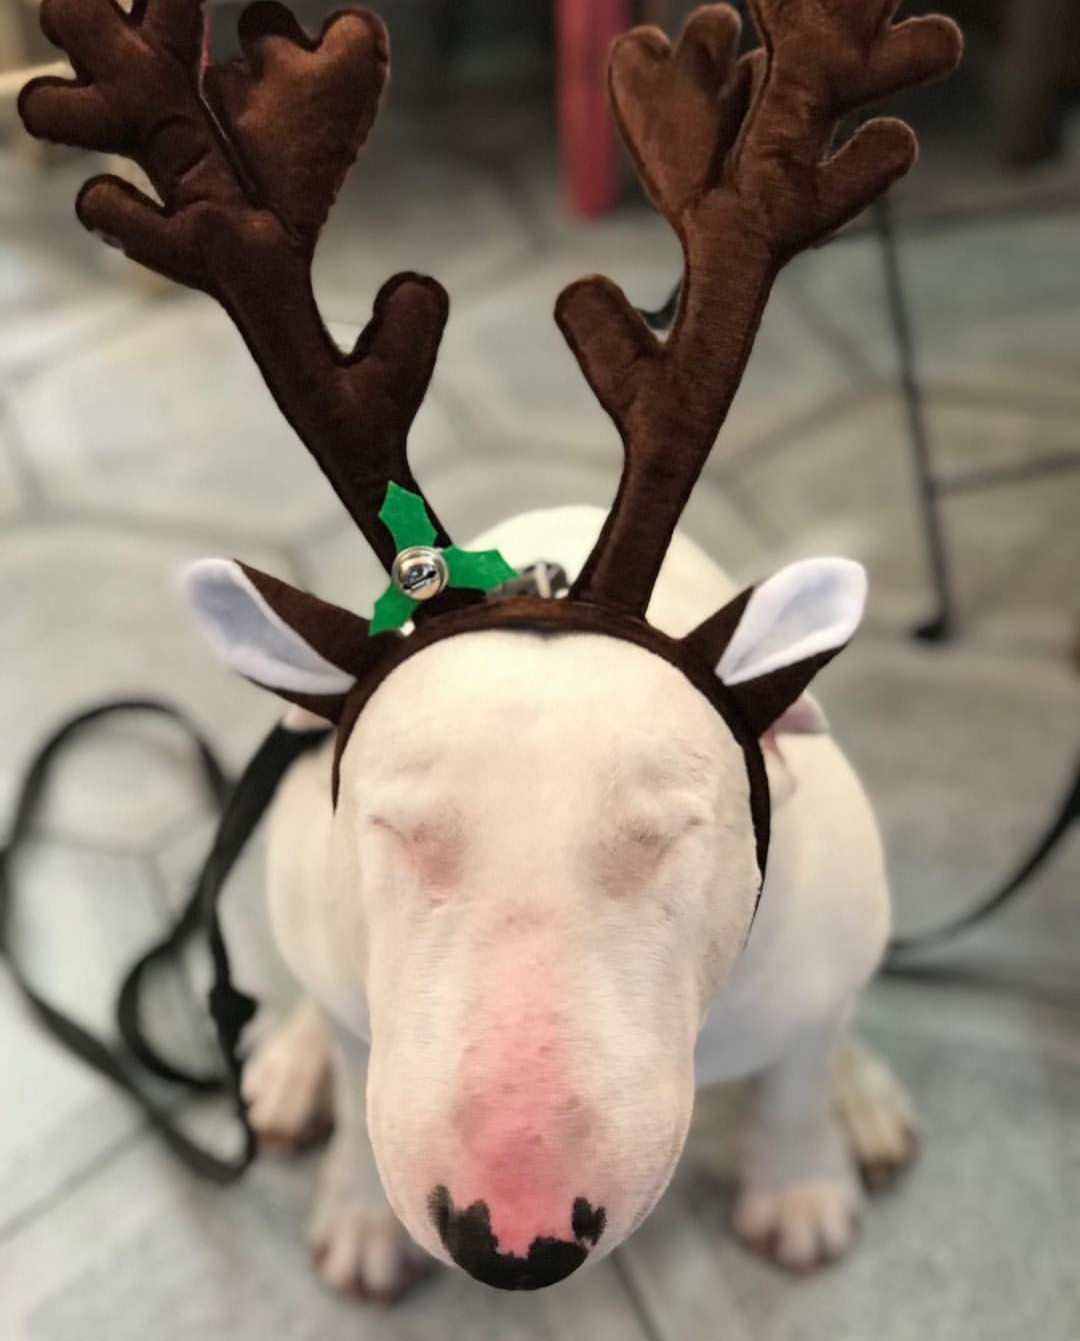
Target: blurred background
135, 437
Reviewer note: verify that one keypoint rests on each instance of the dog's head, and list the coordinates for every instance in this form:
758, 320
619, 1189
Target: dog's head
545, 857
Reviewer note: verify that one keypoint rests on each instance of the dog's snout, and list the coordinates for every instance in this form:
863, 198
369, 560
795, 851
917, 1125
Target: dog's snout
468, 1238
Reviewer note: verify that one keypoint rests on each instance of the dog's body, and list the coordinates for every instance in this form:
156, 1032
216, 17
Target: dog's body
780, 1010
528, 912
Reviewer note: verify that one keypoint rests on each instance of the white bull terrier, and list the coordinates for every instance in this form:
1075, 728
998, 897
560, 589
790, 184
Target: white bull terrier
524, 890
531, 912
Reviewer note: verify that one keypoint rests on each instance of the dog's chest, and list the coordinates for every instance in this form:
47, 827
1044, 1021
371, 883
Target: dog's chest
820, 928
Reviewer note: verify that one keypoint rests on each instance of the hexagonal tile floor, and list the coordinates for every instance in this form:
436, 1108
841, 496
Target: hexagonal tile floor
134, 437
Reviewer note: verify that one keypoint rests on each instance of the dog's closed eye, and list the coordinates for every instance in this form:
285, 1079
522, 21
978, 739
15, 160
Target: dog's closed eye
433, 849
636, 850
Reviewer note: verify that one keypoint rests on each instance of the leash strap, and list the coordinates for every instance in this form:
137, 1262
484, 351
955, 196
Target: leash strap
241, 809
902, 948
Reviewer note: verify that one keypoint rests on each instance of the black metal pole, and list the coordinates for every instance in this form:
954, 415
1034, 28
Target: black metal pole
941, 626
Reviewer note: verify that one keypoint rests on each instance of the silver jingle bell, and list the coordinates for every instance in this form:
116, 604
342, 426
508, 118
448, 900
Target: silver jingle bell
420, 572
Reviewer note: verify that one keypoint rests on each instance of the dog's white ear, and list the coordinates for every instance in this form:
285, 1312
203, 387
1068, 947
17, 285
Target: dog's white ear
272, 634
784, 632
808, 608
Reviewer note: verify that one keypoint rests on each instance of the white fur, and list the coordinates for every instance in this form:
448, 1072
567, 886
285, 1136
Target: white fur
809, 607
805, 717
533, 902
287, 1082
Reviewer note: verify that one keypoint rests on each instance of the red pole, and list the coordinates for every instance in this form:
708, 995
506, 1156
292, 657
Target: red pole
590, 156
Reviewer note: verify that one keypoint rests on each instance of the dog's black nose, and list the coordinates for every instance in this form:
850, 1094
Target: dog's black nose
468, 1239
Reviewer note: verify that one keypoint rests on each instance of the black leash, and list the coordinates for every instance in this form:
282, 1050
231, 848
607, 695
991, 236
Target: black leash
241, 809
905, 956
902, 947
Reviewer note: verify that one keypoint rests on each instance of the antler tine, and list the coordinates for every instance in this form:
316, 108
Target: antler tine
247, 159
737, 154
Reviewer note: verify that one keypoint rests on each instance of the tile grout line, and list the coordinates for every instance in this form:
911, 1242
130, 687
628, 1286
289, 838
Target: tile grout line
755, 452
750, 511
200, 1030
147, 526
181, 827
44, 835
845, 347
123, 323
32, 500
101, 1162
649, 1325
1039, 405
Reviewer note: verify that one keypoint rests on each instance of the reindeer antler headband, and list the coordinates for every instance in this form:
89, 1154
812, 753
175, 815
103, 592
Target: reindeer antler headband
736, 152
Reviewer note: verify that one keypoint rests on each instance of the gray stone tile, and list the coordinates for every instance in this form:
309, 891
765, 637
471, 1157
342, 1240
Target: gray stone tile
59, 1119
844, 486
339, 566
171, 422
123, 782
11, 490
727, 528
847, 485
56, 293
512, 372
534, 171
67, 318
435, 214
674, 1269
141, 1249
966, 756
93, 614
928, 1014
991, 299
79, 921
979, 1240
505, 360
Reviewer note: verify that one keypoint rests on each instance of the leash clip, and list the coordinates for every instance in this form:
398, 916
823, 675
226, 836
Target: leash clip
545, 580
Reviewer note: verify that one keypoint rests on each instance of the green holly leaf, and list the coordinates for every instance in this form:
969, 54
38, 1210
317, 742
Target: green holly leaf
405, 517
481, 571
392, 609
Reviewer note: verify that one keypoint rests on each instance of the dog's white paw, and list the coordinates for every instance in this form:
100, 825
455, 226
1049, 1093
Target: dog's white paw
802, 1225
875, 1112
358, 1245
287, 1084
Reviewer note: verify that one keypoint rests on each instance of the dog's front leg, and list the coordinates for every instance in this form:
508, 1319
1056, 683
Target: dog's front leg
799, 1198
287, 1082
359, 1247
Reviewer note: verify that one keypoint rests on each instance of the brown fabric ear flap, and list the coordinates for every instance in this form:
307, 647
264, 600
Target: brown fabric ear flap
710, 639
762, 701
335, 633
765, 700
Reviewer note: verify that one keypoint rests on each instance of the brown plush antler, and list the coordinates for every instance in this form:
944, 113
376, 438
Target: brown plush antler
737, 154
247, 161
